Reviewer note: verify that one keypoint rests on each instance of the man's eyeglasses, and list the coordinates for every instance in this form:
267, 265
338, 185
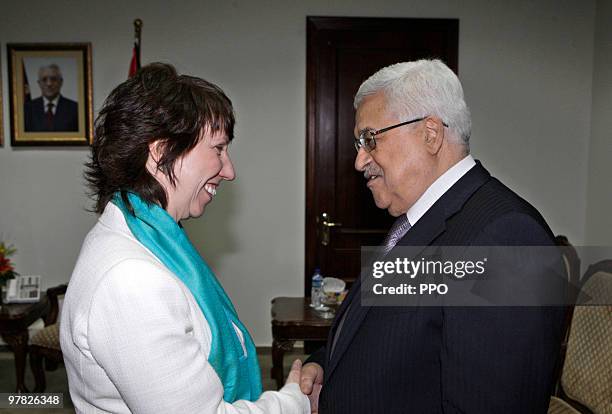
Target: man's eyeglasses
367, 137
50, 79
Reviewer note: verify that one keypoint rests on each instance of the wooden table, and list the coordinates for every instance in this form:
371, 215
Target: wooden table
14, 321
293, 320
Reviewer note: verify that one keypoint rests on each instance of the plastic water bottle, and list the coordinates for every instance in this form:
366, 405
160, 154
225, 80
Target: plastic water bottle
316, 289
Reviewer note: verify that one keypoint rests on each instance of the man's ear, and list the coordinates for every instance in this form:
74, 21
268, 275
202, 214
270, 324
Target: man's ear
434, 134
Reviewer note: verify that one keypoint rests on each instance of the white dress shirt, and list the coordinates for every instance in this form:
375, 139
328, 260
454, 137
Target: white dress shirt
135, 340
53, 101
438, 188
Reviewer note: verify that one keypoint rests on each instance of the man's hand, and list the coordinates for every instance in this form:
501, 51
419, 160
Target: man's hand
311, 382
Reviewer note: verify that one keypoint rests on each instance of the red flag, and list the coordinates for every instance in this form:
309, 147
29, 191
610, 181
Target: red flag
26, 86
135, 62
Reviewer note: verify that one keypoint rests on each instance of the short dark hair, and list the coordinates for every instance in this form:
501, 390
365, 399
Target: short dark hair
155, 104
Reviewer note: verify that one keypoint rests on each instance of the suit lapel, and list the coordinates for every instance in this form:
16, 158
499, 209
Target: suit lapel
339, 315
355, 313
423, 233
59, 112
38, 114
433, 223
58, 109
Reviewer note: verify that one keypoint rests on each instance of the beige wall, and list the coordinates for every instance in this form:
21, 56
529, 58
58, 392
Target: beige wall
526, 67
599, 211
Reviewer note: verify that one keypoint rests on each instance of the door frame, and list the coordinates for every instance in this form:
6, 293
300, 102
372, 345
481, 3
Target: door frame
314, 25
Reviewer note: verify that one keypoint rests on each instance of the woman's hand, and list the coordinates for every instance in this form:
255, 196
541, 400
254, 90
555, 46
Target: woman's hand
311, 379
295, 373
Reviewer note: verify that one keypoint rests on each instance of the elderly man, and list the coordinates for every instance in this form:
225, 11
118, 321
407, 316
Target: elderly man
412, 136
51, 111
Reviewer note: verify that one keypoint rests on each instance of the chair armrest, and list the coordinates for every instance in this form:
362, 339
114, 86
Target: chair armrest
52, 294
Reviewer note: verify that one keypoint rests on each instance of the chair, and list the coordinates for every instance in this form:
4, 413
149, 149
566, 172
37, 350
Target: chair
572, 268
570, 258
586, 380
45, 343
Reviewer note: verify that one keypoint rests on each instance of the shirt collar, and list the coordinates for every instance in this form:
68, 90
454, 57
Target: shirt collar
54, 102
438, 188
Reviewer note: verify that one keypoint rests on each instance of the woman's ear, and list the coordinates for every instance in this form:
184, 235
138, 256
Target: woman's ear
155, 155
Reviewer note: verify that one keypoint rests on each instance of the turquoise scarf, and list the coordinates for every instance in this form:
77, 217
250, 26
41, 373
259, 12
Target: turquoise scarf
156, 229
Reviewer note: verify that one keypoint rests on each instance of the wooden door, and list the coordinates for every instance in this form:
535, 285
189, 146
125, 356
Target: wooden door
341, 54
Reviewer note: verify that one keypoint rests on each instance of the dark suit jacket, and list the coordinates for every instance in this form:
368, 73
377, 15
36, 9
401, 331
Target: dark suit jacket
429, 360
66, 118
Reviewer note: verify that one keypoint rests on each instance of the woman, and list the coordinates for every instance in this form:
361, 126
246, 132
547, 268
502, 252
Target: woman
146, 327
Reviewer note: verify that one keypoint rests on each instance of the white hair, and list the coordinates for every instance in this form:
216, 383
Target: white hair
419, 89
52, 66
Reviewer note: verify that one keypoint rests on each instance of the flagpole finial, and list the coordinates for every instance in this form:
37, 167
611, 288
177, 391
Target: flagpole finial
137, 31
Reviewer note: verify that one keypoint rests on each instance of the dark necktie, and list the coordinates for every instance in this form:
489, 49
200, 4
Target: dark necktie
49, 114
398, 230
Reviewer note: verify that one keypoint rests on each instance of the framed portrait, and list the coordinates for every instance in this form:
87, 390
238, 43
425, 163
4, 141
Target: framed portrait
50, 89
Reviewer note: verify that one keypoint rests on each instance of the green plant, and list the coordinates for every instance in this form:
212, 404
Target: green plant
7, 270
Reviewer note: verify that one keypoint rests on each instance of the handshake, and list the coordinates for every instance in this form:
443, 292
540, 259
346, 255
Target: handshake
310, 379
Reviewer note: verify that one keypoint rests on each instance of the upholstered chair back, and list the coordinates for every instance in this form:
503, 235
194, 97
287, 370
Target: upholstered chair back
587, 372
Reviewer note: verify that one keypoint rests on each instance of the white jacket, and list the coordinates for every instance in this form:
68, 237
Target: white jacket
135, 340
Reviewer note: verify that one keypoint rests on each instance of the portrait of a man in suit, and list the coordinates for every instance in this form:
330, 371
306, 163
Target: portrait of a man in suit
51, 111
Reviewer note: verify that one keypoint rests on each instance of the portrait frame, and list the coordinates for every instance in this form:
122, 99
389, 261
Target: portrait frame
50, 94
